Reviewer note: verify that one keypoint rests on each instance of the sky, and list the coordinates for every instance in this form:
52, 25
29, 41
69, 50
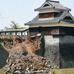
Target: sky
22, 11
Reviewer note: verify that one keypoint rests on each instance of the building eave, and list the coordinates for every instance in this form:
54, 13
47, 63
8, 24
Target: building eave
53, 9
15, 30
41, 23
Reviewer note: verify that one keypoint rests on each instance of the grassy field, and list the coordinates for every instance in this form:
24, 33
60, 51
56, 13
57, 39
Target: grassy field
1, 72
56, 71
64, 71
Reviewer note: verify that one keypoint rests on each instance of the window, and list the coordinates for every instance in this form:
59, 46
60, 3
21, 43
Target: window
49, 15
46, 15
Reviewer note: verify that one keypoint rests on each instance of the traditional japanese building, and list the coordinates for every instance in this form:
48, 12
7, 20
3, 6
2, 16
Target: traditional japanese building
56, 25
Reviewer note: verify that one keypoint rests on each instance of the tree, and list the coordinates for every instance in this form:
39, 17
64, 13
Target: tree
14, 26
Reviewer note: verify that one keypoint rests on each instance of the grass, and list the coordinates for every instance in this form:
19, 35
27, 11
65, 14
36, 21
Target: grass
1, 71
56, 71
63, 71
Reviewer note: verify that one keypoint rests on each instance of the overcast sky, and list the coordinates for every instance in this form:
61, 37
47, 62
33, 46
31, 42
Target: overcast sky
22, 11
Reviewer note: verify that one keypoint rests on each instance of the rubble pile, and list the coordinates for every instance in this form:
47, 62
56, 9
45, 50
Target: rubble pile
22, 58
20, 64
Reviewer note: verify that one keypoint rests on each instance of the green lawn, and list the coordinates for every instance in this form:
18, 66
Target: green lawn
56, 71
64, 71
1, 72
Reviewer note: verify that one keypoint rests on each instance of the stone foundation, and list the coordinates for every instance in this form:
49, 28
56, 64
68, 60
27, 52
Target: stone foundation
66, 51
60, 51
52, 50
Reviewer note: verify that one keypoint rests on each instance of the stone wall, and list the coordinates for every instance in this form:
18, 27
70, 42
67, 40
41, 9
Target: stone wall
52, 50
60, 50
66, 51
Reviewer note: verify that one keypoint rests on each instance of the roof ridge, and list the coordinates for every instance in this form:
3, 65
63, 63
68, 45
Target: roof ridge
51, 5
52, 1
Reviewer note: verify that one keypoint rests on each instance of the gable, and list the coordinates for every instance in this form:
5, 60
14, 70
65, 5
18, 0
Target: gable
46, 4
68, 18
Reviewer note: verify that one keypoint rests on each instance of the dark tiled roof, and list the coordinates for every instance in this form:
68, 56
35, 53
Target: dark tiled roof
53, 5
68, 21
49, 5
15, 30
37, 20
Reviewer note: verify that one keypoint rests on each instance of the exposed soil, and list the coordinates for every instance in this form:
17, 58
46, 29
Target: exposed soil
22, 58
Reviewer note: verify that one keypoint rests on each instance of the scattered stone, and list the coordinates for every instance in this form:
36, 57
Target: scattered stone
18, 63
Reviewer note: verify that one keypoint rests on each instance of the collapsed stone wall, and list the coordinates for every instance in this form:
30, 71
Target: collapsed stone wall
21, 56
28, 44
15, 51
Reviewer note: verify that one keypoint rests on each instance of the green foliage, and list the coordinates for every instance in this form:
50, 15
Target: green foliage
14, 26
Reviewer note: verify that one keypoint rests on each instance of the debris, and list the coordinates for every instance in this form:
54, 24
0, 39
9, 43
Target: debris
22, 58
